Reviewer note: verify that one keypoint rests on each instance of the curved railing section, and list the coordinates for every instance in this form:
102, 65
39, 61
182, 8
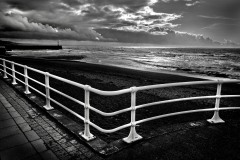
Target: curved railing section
133, 135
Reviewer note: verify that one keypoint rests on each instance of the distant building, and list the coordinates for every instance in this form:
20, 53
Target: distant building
2, 50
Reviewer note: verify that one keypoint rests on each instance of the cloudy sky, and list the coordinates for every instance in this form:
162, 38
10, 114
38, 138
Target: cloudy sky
154, 21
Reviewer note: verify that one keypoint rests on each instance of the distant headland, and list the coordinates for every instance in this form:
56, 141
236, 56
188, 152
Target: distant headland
18, 46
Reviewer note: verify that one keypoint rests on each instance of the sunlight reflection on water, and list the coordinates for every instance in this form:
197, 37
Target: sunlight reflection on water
201, 61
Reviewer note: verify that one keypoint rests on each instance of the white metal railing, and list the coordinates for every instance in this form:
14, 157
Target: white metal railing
133, 135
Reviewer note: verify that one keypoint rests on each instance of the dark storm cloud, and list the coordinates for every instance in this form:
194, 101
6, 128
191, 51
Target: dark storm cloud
171, 38
17, 26
78, 19
79, 15
27, 5
46, 18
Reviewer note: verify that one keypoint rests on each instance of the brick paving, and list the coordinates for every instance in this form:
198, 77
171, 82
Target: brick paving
26, 133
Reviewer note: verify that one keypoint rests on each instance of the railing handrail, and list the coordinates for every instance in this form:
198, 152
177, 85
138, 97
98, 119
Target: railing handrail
133, 136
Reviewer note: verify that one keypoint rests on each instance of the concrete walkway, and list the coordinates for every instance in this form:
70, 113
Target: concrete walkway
26, 133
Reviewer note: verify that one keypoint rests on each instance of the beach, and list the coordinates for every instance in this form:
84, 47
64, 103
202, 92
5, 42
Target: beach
111, 78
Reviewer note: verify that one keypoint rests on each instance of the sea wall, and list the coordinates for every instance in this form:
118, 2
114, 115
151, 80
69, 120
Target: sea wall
32, 47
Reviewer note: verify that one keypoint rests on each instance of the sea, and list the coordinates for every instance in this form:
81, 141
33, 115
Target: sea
208, 62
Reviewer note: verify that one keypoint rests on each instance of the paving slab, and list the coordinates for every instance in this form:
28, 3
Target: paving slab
5, 116
18, 152
31, 135
12, 141
24, 127
46, 155
9, 131
7, 123
39, 145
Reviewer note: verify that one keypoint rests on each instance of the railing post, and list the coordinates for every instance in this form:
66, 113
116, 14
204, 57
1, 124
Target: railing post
4, 69
86, 134
13, 74
133, 136
47, 106
26, 80
216, 118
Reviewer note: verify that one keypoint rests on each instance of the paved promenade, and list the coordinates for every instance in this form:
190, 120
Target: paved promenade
26, 133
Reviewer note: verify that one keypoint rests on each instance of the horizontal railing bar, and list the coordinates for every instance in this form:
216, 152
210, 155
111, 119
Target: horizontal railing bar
20, 80
8, 68
67, 96
67, 81
67, 109
110, 93
7, 60
19, 73
18, 64
174, 100
185, 99
14, 63
175, 114
9, 74
184, 84
109, 114
174, 85
229, 96
36, 70
1, 65
230, 81
109, 130
36, 90
229, 108
36, 81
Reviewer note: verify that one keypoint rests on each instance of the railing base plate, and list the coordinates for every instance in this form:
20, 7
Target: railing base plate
48, 107
216, 121
27, 92
130, 140
87, 138
216, 118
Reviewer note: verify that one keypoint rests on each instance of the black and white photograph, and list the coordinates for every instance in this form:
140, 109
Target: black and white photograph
119, 79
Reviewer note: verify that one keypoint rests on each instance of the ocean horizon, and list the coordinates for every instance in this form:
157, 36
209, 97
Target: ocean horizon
203, 61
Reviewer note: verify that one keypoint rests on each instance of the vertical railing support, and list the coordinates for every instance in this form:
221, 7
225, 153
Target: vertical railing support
216, 118
47, 106
4, 69
26, 80
86, 134
133, 136
13, 74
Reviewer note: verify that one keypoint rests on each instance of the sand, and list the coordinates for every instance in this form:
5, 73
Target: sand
115, 78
